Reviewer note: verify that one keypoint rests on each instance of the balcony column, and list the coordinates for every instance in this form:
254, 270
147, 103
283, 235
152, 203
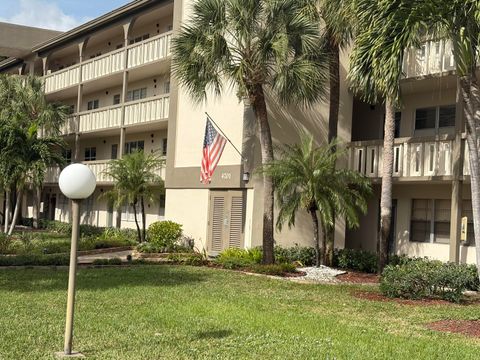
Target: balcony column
81, 49
457, 183
45, 64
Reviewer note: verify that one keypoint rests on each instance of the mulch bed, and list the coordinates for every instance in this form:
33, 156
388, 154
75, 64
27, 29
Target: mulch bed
359, 278
464, 327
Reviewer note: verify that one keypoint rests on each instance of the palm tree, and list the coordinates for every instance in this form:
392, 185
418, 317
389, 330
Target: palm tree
375, 73
338, 20
306, 178
134, 176
257, 47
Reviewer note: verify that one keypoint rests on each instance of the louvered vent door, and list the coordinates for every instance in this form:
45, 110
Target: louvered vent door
218, 213
227, 220
236, 222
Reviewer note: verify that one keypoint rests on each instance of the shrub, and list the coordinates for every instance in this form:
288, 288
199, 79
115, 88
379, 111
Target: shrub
112, 261
275, 269
474, 285
358, 260
422, 278
239, 258
34, 260
164, 234
5, 243
302, 255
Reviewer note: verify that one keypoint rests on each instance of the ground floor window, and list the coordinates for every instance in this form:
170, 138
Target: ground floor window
430, 220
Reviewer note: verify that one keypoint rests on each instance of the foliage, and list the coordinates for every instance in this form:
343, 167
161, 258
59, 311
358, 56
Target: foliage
307, 179
134, 176
35, 260
305, 256
5, 243
164, 234
194, 259
239, 258
150, 248
112, 261
422, 278
358, 260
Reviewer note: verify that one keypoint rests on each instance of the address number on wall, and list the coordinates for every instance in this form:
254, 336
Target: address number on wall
226, 176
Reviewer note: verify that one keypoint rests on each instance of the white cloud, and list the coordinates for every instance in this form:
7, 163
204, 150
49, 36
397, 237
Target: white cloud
43, 14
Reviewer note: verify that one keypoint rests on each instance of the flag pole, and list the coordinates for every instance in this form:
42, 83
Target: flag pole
226, 137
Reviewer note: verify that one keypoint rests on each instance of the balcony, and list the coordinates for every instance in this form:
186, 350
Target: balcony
413, 157
99, 168
433, 57
136, 112
142, 53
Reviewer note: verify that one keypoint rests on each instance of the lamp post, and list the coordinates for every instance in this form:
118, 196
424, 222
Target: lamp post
77, 182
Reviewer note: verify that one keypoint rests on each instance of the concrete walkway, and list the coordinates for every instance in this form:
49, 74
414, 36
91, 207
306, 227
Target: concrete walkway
88, 259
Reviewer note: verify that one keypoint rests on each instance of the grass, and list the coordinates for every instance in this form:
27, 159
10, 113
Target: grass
181, 312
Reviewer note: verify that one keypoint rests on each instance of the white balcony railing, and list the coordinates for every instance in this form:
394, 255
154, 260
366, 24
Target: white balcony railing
105, 118
431, 58
107, 64
153, 49
68, 127
147, 110
62, 79
149, 50
99, 168
411, 157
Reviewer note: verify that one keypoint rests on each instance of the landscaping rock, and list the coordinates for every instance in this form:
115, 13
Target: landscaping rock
320, 274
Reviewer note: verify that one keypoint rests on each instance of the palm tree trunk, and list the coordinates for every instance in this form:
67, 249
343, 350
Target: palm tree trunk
36, 206
386, 195
139, 233
316, 240
7, 209
17, 211
334, 106
142, 203
471, 98
260, 109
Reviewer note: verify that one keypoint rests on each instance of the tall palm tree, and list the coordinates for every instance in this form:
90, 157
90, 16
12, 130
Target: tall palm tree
306, 179
338, 22
375, 74
134, 176
258, 47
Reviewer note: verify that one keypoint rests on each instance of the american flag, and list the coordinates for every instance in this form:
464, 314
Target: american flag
213, 145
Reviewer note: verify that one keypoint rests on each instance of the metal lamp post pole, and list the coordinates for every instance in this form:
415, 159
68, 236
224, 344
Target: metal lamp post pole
71, 277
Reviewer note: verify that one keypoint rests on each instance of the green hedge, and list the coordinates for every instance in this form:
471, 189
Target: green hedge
35, 260
164, 234
422, 278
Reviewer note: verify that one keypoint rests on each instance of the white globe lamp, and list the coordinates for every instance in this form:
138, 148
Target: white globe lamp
76, 182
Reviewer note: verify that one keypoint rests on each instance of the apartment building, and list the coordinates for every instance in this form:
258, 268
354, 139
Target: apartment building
115, 74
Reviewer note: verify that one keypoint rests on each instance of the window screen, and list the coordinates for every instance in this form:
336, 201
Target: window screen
446, 116
421, 220
442, 221
425, 118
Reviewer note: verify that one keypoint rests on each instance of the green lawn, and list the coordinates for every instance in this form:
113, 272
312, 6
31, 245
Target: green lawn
175, 312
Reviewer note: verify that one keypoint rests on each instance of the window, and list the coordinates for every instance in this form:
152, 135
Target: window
446, 117
93, 104
169, 27
430, 221
139, 38
119, 46
421, 220
425, 118
161, 205
164, 147
467, 211
67, 155
137, 94
114, 151
116, 99
166, 87
133, 146
435, 117
398, 118
128, 213
90, 154
71, 109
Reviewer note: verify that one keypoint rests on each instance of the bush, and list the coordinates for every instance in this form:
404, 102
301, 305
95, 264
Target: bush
302, 255
5, 243
239, 258
164, 234
35, 260
112, 261
422, 278
358, 260
276, 269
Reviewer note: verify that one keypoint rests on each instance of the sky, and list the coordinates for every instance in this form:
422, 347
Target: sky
55, 14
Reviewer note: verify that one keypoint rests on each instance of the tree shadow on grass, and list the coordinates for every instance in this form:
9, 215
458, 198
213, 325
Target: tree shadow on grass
44, 280
213, 334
